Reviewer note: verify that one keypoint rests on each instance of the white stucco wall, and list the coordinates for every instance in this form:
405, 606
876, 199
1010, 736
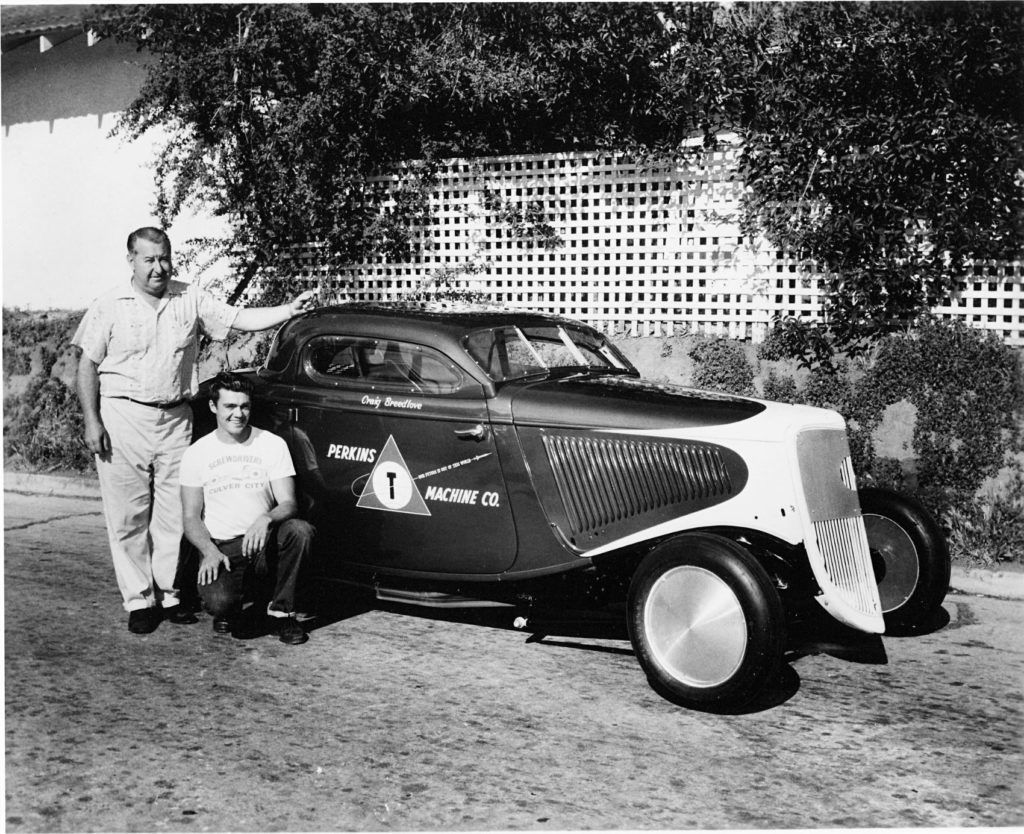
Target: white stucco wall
71, 193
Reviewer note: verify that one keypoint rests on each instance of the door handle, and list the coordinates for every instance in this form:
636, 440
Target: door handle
478, 433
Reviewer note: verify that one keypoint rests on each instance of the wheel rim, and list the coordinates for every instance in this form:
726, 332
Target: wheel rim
695, 626
900, 568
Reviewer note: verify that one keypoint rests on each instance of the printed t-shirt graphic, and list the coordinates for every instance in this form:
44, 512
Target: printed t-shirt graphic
235, 478
390, 486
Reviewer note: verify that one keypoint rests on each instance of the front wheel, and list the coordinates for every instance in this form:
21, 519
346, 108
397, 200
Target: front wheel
705, 621
910, 558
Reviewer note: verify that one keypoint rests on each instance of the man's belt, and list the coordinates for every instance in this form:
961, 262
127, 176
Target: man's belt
171, 404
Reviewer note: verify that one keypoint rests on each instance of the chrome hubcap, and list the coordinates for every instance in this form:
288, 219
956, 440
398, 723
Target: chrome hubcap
900, 568
695, 626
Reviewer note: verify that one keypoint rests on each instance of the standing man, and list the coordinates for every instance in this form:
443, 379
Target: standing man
238, 498
137, 370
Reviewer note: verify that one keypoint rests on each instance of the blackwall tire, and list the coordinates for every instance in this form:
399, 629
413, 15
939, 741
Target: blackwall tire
910, 556
706, 622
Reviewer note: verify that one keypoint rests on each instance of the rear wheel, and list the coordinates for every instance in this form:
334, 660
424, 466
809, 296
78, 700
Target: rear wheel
910, 558
705, 621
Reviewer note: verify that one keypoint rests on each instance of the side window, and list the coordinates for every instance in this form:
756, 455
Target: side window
380, 365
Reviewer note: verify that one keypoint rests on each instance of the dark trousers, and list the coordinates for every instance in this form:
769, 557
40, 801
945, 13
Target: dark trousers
272, 579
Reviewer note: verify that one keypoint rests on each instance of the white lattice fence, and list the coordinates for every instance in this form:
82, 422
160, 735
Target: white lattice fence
649, 251
991, 298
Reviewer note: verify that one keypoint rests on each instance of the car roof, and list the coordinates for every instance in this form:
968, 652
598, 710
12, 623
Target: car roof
427, 323
423, 323
462, 318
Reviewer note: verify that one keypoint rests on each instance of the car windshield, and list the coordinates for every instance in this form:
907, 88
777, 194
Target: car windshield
512, 352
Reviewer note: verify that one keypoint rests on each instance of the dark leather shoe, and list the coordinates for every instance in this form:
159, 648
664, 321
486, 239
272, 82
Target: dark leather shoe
180, 615
289, 631
222, 625
143, 620
248, 627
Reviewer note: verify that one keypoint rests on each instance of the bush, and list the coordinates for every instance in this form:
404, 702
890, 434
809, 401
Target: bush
721, 365
26, 333
969, 393
990, 529
887, 473
45, 428
968, 389
780, 389
793, 338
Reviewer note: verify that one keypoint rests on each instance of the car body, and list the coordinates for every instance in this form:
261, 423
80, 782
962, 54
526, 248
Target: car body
484, 457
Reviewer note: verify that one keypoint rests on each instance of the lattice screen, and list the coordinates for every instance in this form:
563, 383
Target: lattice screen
645, 251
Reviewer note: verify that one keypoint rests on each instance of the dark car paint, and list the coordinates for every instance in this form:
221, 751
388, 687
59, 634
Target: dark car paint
526, 531
612, 402
444, 331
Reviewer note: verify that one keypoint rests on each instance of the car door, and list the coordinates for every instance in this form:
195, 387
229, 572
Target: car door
408, 476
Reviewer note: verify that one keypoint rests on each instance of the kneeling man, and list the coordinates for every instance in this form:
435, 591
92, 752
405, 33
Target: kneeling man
238, 499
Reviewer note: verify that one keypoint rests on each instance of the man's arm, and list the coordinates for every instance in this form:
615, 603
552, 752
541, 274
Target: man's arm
285, 508
260, 318
192, 504
88, 379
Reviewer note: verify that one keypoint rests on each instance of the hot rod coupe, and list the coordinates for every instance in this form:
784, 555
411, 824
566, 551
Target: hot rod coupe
482, 457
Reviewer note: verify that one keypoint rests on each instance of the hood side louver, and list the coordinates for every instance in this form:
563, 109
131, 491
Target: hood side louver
605, 481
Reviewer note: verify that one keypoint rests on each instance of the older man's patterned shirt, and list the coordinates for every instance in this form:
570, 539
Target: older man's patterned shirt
149, 353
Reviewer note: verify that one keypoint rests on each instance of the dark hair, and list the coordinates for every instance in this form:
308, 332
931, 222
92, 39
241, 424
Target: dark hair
150, 233
226, 381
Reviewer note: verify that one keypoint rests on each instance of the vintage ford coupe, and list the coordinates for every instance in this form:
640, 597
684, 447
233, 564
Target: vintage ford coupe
482, 457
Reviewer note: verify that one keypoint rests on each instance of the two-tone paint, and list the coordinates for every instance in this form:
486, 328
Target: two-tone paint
496, 483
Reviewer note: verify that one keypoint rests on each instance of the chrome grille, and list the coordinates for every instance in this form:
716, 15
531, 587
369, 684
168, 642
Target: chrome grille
603, 481
838, 548
843, 545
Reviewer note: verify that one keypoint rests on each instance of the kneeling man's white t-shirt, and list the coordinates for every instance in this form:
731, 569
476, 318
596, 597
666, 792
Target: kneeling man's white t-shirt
235, 478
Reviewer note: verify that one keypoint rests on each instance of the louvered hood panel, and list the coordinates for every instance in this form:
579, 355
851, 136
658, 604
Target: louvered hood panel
596, 487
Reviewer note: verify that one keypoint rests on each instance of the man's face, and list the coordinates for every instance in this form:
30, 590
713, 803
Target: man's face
151, 267
232, 412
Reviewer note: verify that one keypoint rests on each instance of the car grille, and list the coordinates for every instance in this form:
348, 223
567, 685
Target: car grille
604, 481
843, 545
838, 549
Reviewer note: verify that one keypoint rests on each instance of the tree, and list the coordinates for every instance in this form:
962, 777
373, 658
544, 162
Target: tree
279, 115
880, 140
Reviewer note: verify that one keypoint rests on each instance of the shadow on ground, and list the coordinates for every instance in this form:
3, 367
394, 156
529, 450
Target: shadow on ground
815, 635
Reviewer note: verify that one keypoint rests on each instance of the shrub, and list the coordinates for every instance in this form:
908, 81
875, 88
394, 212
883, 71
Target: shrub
989, 529
45, 427
721, 365
793, 338
45, 335
967, 387
968, 391
780, 389
885, 472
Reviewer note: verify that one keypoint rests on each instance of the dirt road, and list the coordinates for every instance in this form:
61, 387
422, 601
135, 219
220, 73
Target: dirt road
386, 721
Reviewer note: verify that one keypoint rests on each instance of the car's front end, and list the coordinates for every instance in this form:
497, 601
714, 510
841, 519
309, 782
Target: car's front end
647, 462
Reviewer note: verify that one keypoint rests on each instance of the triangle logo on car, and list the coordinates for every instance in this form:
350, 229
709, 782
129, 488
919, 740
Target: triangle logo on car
390, 486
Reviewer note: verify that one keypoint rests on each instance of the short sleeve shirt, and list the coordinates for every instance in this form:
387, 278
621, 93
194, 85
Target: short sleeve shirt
148, 353
235, 478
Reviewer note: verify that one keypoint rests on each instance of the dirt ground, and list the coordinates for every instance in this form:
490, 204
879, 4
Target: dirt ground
394, 721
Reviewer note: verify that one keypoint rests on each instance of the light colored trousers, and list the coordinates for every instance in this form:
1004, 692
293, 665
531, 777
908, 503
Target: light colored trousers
142, 498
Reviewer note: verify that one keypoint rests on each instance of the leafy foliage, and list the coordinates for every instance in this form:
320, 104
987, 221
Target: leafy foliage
721, 365
281, 115
880, 141
990, 529
969, 393
883, 142
44, 427
780, 388
793, 338
35, 337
